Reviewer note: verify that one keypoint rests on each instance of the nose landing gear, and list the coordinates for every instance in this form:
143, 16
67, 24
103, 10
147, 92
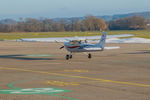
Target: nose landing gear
89, 56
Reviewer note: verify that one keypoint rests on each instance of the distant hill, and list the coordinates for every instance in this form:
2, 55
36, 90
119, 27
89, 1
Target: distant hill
111, 17
8, 21
106, 17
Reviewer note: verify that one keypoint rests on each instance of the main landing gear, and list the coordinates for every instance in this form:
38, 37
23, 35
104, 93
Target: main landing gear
68, 57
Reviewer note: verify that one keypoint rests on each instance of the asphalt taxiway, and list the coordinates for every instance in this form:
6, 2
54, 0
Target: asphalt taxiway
39, 71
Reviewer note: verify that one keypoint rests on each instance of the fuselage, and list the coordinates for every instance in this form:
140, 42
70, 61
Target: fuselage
81, 47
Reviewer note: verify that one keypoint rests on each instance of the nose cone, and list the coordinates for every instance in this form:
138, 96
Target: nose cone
66, 43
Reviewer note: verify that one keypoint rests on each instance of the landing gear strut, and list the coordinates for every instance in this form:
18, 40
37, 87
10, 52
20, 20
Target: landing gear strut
89, 56
68, 57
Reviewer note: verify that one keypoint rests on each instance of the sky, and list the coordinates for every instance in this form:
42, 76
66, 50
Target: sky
69, 8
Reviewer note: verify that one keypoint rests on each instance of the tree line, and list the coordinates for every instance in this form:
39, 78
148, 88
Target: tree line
90, 23
128, 23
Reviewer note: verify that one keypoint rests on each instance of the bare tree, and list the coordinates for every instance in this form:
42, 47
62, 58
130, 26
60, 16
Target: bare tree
92, 23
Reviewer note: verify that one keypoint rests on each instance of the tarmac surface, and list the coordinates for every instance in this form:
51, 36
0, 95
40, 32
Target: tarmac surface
34, 71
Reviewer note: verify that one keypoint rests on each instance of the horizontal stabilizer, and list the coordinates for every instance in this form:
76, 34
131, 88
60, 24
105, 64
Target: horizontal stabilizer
108, 48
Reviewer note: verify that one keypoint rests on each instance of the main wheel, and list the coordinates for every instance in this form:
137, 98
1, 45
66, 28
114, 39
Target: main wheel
67, 57
89, 56
70, 56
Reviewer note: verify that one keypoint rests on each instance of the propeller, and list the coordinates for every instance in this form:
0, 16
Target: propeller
61, 47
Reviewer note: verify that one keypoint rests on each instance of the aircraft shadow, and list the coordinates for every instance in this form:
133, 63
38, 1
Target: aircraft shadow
22, 57
141, 52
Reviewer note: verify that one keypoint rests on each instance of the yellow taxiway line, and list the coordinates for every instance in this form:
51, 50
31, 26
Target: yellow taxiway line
81, 77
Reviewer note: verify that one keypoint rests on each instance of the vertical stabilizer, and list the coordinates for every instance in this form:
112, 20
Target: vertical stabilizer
102, 40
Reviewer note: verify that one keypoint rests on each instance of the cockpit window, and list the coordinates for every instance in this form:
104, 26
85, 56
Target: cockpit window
74, 42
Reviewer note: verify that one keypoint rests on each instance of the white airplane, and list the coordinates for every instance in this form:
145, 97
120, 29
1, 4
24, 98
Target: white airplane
76, 46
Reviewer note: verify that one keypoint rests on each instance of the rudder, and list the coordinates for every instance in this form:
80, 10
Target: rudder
102, 40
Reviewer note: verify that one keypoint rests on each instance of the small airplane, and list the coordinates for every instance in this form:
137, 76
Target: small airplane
76, 46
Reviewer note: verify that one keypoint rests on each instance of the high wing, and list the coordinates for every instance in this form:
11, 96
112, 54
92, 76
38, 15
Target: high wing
108, 36
65, 39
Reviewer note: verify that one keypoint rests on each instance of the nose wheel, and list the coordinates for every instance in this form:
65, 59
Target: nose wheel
89, 56
68, 57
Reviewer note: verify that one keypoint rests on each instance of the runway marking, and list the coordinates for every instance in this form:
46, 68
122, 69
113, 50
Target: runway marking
33, 91
81, 77
76, 70
61, 83
148, 49
42, 91
54, 63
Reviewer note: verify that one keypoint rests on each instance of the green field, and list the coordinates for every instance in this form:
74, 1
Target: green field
19, 35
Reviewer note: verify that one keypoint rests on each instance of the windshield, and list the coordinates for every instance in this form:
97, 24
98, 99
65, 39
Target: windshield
74, 42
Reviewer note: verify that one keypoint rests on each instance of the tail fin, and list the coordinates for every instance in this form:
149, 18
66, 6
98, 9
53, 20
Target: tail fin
102, 40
